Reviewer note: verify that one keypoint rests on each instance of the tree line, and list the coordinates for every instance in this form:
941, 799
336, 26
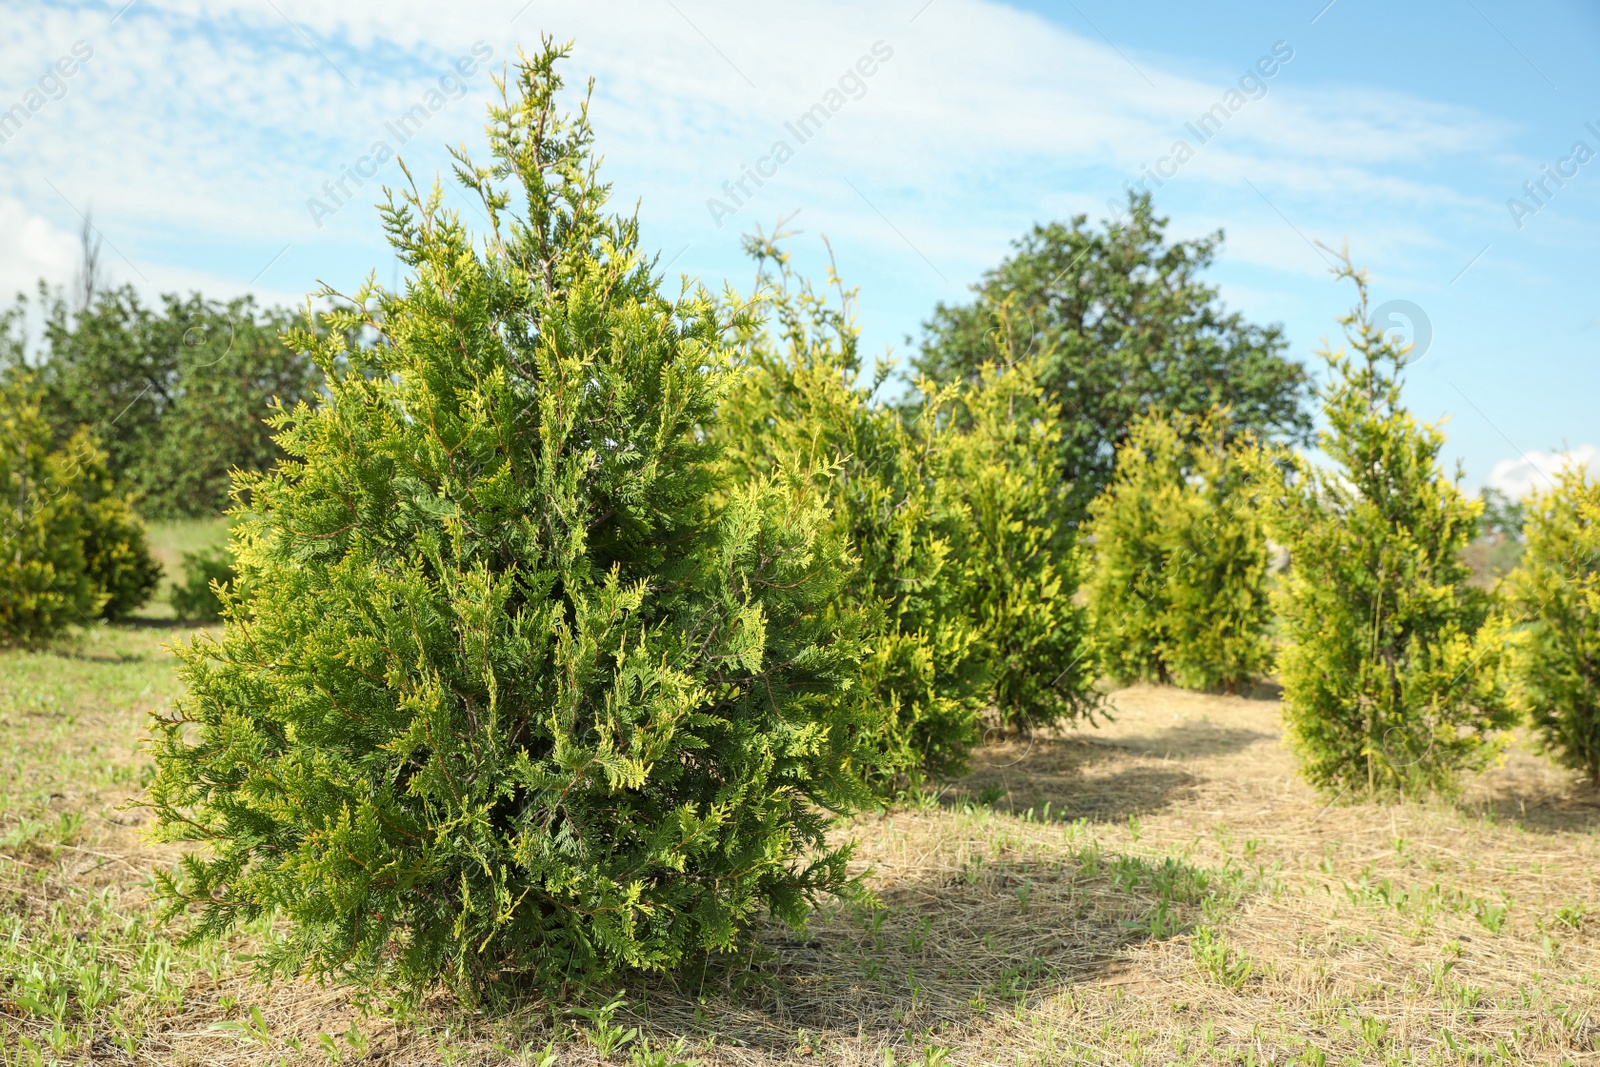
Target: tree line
569, 613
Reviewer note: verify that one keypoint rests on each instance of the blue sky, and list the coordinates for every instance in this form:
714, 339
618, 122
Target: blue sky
201, 135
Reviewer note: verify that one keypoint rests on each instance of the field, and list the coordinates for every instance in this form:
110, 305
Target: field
1160, 889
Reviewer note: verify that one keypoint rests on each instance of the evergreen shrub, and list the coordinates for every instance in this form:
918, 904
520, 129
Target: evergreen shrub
1391, 662
1555, 594
962, 575
1179, 586
514, 685
196, 597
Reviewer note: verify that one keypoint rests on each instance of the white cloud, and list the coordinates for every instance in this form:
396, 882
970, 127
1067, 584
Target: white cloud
218, 118
31, 248
1537, 470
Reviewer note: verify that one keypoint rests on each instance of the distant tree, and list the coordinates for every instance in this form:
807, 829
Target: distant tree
177, 395
1179, 591
1390, 672
1121, 324
1501, 516
1554, 594
961, 573
71, 547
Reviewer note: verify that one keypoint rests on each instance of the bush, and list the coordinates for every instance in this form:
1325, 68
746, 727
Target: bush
1555, 659
204, 572
513, 685
45, 581
116, 550
1179, 591
799, 401
1020, 565
965, 589
1389, 672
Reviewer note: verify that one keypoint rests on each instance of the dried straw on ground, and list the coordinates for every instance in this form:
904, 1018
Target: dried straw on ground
1161, 889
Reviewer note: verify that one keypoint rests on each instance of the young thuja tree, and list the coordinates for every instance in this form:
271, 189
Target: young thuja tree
1555, 592
1128, 536
1020, 564
800, 400
1389, 672
513, 685
962, 572
1179, 591
45, 581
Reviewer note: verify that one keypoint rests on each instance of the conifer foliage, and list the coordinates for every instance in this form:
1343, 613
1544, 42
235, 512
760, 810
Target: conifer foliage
1555, 591
963, 574
513, 684
71, 548
1389, 672
1179, 591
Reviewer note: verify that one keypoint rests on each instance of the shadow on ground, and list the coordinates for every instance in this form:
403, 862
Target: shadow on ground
1073, 777
1540, 810
943, 953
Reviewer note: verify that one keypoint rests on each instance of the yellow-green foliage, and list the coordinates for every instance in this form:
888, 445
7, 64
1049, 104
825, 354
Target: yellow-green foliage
961, 574
1178, 590
1390, 675
800, 401
514, 686
1555, 591
71, 548
1020, 566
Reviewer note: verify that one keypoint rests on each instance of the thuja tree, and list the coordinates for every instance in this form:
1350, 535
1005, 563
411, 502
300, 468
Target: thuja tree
512, 686
963, 585
45, 584
1555, 593
71, 548
800, 401
1389, 672
1179, 583
1021, 566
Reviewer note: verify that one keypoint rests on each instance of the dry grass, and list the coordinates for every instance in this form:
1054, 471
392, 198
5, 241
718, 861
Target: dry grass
1158, 890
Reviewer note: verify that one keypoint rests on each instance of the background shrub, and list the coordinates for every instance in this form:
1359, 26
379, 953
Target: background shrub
1555, 593
964, 572
513, 684
115, 547
45, 582
1179, 591
194, 597
1390, 675
1020, 564
800, 401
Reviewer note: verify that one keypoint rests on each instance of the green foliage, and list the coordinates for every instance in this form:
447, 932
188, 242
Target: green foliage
961, 578
1020, 566
1501, 516
514, 685
115, 547
800, 402
1390, 672
45, 582
196, 597
1122, 325
71, 547
1555, 659
1179, 591
177, 395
